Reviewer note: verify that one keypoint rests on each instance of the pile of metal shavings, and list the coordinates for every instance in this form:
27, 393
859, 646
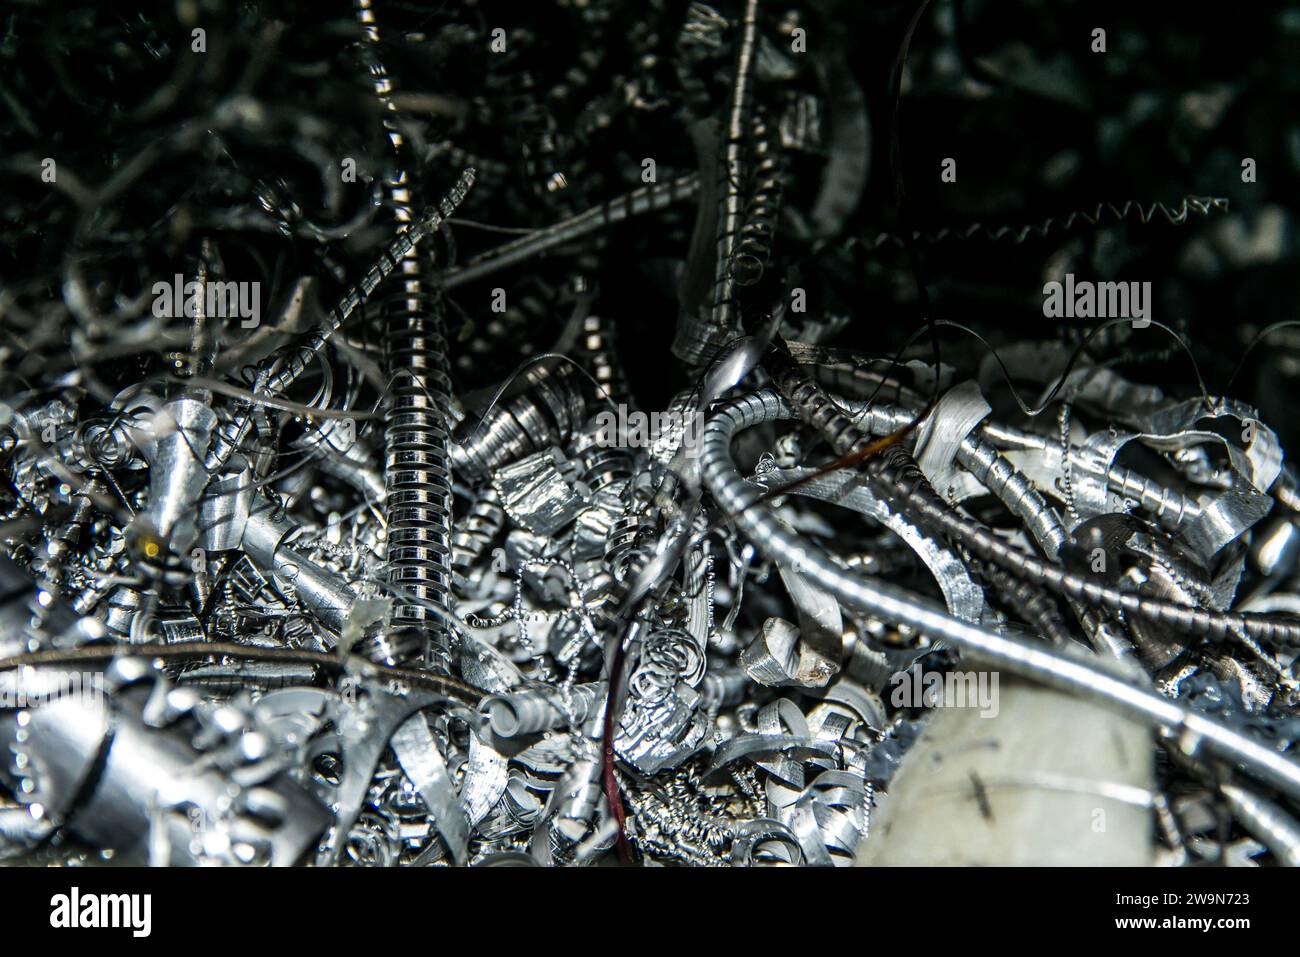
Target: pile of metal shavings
484, 433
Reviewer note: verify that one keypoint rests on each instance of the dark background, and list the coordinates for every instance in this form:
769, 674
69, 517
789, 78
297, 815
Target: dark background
1039, 124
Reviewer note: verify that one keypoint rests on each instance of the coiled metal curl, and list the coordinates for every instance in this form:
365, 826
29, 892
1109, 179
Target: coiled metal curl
628, 546
474, 533
545, 415
1031, 604
416, 473
754, 248
417, 476
599, 354
602, 467
668, 656
700, 336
